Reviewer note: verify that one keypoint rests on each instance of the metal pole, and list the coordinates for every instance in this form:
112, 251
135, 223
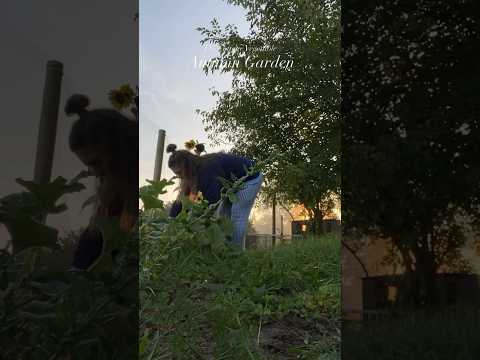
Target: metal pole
157, 172
48, 122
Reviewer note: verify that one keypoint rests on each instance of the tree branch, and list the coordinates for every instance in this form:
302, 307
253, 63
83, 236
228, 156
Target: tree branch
354, 254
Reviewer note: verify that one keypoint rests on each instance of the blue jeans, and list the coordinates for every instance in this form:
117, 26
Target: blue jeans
239, 211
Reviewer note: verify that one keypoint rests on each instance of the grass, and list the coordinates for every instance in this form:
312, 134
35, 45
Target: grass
281, 303
445, 335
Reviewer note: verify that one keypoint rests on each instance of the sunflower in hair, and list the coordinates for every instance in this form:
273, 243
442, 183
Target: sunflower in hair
190, 144
122, 98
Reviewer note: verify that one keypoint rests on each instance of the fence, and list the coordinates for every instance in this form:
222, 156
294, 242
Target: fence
263, 241
328, 225
381, 292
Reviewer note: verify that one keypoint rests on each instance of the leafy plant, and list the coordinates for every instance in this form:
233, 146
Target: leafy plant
22, 213
201, 298
49, 314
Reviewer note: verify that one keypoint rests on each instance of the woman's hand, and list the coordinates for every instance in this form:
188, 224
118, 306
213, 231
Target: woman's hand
196, 197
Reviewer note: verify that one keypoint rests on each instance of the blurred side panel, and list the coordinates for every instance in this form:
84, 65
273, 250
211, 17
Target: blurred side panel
52, 199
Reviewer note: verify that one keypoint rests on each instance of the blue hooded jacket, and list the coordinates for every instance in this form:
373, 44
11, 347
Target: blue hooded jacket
224, 166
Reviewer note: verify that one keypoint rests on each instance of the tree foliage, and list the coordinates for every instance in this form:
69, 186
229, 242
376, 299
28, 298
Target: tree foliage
289, 110
410, 140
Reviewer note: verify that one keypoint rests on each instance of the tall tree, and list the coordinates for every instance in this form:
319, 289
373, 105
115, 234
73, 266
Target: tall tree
285, 96
410, 98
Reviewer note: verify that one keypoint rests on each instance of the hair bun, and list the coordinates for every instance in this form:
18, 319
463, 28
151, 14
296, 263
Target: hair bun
200, 148
171, 148
76, 104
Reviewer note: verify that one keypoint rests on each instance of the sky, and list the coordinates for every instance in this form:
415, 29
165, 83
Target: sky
172, 88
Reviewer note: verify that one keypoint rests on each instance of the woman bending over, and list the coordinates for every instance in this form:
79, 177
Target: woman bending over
202, 173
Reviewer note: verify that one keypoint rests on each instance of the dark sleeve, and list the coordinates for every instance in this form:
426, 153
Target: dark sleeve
176, 208
249, 164
238, 165
213, 190
89, 248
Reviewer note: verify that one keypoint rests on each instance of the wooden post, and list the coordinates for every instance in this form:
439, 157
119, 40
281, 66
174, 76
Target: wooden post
274, 216
281, 228
47, 131
157, 172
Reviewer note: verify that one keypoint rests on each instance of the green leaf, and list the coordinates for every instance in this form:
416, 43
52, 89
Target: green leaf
232, 197
90, 201
86, 344
26, 233
23, 203
225, 183
82, 175
114, 238
37, 317
38, 311
226, 225
149, 193
42, 198
143, 343
215, 233
50, 288
259, 291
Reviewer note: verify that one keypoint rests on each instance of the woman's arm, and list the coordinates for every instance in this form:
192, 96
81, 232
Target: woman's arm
213, 190
177, 205
176, 208
89, 248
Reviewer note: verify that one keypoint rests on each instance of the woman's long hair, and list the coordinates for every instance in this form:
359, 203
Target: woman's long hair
114, 137
189, 165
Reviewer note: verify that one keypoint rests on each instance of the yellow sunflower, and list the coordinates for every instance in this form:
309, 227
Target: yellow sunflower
196, 197
190, 144
122, 97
